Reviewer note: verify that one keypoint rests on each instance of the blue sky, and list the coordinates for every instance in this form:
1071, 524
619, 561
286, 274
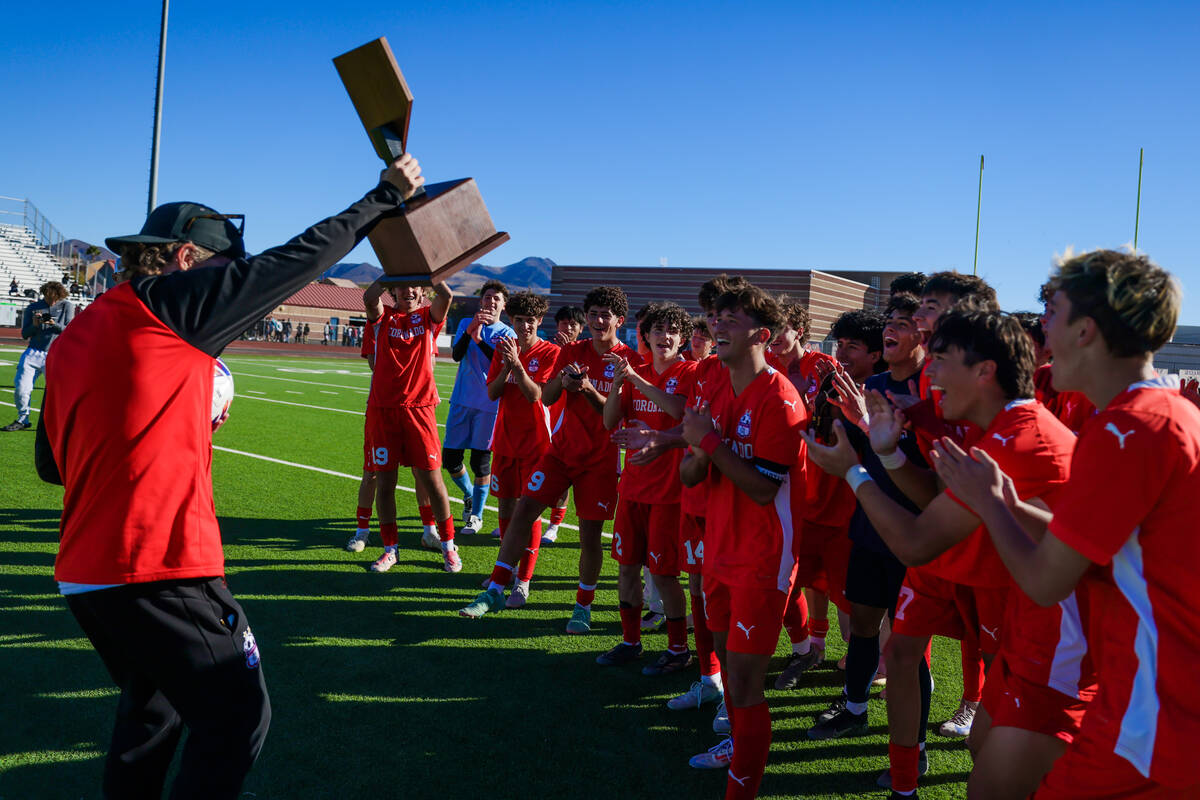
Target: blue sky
804, 135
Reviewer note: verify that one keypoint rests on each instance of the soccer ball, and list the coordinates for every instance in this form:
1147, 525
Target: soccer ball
222, 396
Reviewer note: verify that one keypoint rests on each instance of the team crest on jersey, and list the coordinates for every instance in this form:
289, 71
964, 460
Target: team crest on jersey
743, 428
250, 649
533, 365
415, 318
609, 370
671, 384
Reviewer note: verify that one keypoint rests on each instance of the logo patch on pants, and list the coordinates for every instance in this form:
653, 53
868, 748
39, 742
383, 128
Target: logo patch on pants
250, 649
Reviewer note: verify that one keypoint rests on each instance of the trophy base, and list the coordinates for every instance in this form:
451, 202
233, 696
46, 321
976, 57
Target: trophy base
434, 235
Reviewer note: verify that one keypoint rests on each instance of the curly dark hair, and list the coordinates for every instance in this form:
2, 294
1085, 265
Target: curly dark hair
795, 314
494, 285
911, 282
712, 289
1031, 321
958, 286
573, 313
755, 303
666, 314
700, 326
527, 304
865, 326
610, 297
990, 336
903, 302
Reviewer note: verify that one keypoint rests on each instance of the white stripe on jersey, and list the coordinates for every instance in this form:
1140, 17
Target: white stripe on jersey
783, 508
1139, 726
1066, 666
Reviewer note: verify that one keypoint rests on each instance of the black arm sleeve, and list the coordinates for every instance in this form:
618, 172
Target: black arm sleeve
487, 349
210, 307
460, 347
43, 456
772, 471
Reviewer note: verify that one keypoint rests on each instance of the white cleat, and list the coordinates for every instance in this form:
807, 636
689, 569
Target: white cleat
385, 561
550, 535
430, 538
519, 595
450, 560
358, 542
472, 527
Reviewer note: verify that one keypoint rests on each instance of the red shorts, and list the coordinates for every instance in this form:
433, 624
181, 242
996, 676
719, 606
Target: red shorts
822, 555
595, 487
647, 533
933, 606
752, 617
509, 475
1014, 702
691, 543
1091, 771
401, 437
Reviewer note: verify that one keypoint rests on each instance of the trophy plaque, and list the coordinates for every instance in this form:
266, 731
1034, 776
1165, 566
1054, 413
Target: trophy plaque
445, 226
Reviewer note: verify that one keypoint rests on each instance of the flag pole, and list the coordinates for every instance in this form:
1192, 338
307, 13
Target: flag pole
1137, 216
978, 208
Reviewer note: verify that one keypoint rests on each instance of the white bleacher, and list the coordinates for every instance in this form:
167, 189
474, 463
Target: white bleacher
21, 257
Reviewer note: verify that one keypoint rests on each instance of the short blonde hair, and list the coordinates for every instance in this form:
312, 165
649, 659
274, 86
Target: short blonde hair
1134, 301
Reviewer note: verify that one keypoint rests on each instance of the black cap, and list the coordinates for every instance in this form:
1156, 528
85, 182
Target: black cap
189, 222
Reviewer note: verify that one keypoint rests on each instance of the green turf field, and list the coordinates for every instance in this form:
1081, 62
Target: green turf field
378, 688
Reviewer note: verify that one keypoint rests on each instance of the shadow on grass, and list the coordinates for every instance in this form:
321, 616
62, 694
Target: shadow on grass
379, 689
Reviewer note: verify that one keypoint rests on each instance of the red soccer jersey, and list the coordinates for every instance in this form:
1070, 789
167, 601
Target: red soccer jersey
746, 544
522, 428
1034, 449
130, 427
580, 437
404, 344
1130, 507
368, 341
708, 380
658, 481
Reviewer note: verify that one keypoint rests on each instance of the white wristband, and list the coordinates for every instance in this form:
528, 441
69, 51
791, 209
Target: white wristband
856, 476
894, 460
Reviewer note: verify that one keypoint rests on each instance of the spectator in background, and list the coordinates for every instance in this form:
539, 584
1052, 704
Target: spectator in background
41, 323
568, 324
287, 331
14, 288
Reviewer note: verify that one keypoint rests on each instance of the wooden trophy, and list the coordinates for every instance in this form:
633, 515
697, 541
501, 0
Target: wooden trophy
442, 228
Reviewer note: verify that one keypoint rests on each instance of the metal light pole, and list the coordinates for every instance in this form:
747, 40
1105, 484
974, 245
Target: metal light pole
978, 208
1137, 215
158, 94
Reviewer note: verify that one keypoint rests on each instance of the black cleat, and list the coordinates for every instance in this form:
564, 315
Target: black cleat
621, 654
797, 665
669, 662
842, 723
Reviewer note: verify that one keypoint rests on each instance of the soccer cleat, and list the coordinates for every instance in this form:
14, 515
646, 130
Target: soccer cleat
495, 533
620, 655
358, 542
519, 596
472, 527
668, 663
430, 537
834, 708
797, 665
884, 781
581, 620
842, 723
450, 560
385, 561
959, 724
17, 425
652, 620
550, 535
467, 508
484, 603
721, 720
898, 796
716, 757
698, 695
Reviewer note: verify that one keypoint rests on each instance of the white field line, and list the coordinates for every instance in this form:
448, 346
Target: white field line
252, 391
326, 391
347, 475
289, 391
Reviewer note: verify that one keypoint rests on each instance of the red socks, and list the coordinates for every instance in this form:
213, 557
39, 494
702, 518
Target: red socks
557, 515
501, 574
676, 634
529, 560
904, 765
704, 638
446, 529
631, 623
584, 596
752, 732
364, 517
972, 670
387, 532
426, 513
795, 617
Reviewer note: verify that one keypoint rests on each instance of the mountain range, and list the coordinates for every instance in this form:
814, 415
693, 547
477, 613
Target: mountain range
529, 273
